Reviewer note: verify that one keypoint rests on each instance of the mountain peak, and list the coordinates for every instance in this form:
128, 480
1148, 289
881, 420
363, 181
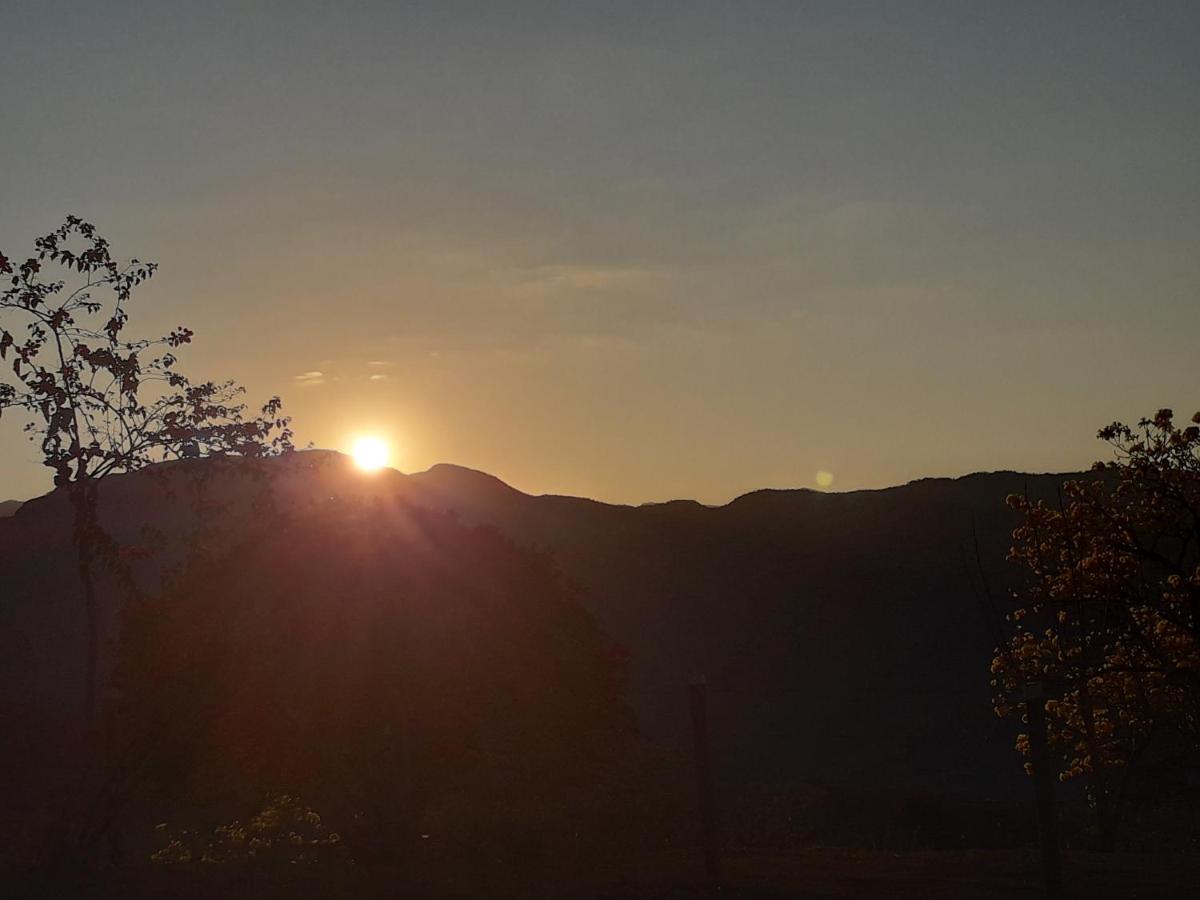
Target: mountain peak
452, 476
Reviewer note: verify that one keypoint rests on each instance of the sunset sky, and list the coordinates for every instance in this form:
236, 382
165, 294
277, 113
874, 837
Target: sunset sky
639, 251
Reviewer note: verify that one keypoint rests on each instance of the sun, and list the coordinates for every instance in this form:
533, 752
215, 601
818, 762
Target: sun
370, 453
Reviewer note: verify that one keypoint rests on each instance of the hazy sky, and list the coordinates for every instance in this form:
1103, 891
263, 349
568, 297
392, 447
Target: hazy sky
639, 251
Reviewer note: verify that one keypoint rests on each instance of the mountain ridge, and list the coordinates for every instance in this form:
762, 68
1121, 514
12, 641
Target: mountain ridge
444, 470
844, 636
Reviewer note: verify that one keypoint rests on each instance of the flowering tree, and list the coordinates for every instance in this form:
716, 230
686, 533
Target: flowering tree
1107, 622
100, 402
285, 829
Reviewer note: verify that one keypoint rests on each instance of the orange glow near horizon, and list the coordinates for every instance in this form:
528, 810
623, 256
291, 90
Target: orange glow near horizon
370, 453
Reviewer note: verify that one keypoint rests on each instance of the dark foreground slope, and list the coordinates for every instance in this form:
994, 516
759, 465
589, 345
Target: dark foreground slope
845, 638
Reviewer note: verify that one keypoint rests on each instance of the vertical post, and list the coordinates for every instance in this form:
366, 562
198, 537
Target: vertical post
708, 829
1043, 782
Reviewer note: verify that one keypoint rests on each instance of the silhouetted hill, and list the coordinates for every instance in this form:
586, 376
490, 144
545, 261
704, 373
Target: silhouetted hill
8, 507
297, 657
845, 637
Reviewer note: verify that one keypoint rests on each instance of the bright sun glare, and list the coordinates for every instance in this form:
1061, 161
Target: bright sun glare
370, 453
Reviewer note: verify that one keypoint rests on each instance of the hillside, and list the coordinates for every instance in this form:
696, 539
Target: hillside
845, 637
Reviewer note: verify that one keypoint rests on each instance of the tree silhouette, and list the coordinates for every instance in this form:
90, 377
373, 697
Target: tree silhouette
101, 402
402, 672
1107, 621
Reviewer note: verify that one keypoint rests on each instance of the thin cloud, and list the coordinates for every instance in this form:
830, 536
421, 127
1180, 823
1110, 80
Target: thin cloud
310, 378
578, 278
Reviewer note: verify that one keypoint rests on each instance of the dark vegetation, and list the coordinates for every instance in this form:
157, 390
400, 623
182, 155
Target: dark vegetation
403, 674
232, 668
822, 735
1105, 626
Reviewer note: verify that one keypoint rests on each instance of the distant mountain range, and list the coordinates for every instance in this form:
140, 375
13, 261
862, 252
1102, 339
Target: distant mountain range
844, 637
8, 507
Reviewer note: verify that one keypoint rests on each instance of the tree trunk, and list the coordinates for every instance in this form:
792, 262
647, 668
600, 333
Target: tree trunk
1043, 783
89, 608
1105, 818
83, 499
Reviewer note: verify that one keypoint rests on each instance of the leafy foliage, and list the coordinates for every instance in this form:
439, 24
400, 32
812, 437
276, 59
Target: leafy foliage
100, 401
1108, 619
